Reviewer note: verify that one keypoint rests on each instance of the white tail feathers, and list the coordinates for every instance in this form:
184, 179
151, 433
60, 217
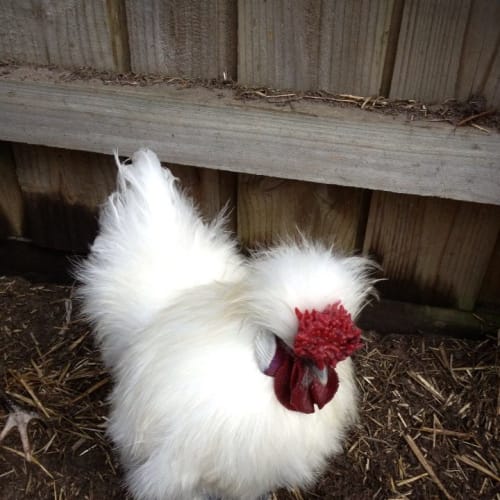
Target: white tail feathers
152, 244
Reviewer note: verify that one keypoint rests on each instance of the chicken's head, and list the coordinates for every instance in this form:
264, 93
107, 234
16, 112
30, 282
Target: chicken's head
304, 299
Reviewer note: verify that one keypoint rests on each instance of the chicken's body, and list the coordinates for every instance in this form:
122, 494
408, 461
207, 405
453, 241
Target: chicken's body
187, 327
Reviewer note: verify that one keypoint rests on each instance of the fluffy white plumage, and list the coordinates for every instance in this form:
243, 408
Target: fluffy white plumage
184, 323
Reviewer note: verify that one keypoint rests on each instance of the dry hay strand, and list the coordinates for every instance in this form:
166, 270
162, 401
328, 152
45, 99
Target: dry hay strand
51, 366
428, 426
429, 407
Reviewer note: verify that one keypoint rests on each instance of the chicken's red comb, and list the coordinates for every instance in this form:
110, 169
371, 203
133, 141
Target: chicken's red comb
326, 337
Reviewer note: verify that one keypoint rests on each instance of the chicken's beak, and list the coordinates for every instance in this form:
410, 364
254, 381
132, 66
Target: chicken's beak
321, 375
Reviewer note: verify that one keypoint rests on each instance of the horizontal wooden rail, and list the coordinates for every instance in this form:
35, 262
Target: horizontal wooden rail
389, 316
210, 128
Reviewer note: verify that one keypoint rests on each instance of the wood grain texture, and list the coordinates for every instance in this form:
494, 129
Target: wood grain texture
11, 203
192, 39
429, 50
321, 44
389, 316
490, 289
69, 34
117, 23
271, 209
212, 190
479, 72
432, 251
62, 191
201, 127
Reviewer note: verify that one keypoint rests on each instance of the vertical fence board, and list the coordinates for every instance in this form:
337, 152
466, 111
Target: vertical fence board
192, 39
491, 89
117, 20
211, 189
433, 251
333, 45
68, 34
21, 32
270, 209
480, 63
11, 204
490, 290
429, 49
62, 190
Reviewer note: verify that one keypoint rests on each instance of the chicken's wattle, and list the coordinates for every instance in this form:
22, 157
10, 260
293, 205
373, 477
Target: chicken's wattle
296, 383
323, 339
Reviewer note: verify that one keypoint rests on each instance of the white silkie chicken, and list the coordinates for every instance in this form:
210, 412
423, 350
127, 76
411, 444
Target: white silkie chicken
232, 376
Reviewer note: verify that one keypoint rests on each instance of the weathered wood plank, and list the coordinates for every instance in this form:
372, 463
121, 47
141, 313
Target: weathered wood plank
271, 209
490, 289
201, 127
479, 72
11, 203
433, 251
69, 33
21, 34
429, 49
192, 39
119, 36
334, 45
390, 316
62, 191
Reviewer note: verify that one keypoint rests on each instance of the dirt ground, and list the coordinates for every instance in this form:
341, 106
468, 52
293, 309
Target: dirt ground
428, 427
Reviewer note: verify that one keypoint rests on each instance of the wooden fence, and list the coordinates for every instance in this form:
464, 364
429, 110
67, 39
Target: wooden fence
435, 251
429, 50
